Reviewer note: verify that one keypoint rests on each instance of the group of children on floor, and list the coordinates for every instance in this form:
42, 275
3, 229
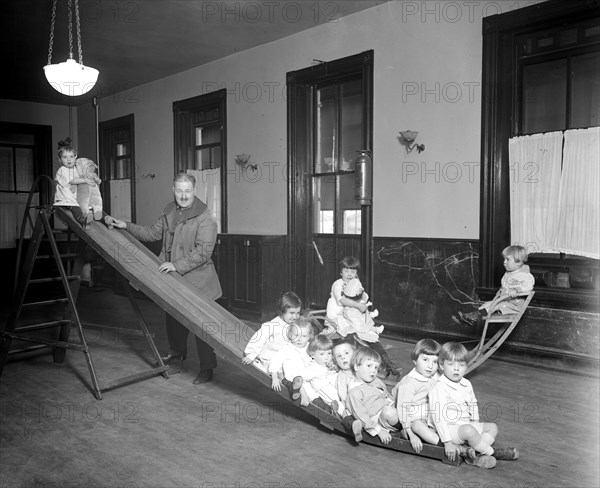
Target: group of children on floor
338, 370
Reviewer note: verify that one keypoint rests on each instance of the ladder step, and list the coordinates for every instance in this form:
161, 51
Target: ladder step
47, 342
28, 349
63, 255
55, 278
41, 325
47, 302
132, 378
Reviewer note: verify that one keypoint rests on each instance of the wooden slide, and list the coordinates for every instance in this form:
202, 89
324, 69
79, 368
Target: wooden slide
227, 334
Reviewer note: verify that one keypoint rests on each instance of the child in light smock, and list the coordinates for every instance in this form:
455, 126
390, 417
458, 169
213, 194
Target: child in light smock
368, 399
455, 413
272, 335
342, 355
67, 178
361, 323
320, 377
338, 312
517, 279
287, 364
411, 395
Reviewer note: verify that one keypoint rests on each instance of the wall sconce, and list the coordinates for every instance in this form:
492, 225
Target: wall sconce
244, 161
407, 139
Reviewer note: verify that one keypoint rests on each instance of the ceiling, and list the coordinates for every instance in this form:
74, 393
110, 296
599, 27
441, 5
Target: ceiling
136, 42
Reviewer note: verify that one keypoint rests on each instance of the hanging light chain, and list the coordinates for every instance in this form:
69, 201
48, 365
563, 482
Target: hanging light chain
52, 32
70, 30
78, 32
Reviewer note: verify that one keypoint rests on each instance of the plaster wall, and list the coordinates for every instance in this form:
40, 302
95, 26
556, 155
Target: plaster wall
427, 78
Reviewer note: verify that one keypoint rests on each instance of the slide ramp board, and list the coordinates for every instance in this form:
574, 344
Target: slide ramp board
206, 319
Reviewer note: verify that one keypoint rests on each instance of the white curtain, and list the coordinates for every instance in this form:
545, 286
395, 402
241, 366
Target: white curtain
535, 174
208, 189
579, 198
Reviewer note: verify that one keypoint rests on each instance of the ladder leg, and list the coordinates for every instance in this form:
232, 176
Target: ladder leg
75, 314
144, 327
20, 289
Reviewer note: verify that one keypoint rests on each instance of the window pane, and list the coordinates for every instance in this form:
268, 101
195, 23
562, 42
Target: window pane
208, 158
327, 130
209, 134
6, 169
122, 149
351, 123
544, 97
585, 91
323, 204
24, 166
122, 169
349, 206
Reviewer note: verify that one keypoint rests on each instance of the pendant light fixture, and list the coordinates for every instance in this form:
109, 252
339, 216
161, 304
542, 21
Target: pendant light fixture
70, 78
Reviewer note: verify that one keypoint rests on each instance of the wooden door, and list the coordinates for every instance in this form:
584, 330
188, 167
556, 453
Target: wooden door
117, 167
329, 120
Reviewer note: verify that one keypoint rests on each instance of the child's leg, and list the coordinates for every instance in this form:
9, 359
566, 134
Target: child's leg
389, 417
293, 387
83, 219
77, 214
490, 432
425, 432
469, 434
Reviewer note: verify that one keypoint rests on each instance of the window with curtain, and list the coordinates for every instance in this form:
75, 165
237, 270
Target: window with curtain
554, 192
540, 160
200, 148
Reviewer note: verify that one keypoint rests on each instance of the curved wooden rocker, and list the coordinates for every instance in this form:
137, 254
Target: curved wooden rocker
487, 347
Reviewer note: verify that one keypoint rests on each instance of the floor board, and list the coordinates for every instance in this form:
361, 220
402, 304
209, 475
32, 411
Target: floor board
234, 432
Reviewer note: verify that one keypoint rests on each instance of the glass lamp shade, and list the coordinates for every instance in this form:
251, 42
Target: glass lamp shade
71, 78
408, 136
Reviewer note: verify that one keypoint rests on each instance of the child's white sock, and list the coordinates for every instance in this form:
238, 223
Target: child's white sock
483, 447
487, 438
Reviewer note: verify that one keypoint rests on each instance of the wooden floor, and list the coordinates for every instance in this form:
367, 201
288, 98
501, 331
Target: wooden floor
234, 432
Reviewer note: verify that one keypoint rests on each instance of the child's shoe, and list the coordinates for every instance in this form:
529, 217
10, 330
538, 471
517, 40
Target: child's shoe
335, 407
471, 318
296, 385
88, 220
467, 452
506, 453
483, 461
357, 430
97, 214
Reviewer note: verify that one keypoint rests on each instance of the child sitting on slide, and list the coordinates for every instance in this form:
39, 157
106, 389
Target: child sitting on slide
338, 303
272, 335
368, 399
455, 413
320, 377
287, 363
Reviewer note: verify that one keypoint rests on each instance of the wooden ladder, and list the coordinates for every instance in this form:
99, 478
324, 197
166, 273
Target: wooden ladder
15, 329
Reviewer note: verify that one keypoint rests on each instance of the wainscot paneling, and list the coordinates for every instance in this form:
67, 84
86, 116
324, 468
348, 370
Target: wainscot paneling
420, 284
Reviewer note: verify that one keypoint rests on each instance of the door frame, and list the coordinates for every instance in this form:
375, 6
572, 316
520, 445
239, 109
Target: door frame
300, 88
106, 130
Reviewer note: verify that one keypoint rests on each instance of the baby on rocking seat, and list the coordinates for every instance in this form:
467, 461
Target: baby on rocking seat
517, 279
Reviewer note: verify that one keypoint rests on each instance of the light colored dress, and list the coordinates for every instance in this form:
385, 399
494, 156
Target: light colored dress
66, 195
266, 341
520, 280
